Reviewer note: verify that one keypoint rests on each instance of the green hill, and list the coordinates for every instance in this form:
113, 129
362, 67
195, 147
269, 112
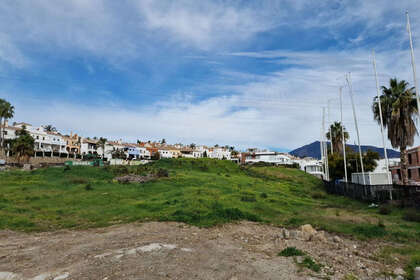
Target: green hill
201, 192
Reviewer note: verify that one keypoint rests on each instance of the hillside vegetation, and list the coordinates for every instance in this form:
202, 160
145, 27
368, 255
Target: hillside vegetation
200, 192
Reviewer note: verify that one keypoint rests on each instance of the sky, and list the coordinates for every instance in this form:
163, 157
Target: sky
238, 73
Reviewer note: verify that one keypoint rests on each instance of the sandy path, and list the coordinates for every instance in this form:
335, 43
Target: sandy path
176, 251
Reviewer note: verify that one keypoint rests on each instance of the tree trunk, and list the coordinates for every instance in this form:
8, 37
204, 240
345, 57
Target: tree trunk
404, 165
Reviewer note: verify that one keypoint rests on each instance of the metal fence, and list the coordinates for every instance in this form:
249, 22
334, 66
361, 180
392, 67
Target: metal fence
409, 195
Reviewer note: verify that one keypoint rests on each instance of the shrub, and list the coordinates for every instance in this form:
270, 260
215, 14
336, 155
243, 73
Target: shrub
414, 262
263, 195
291, 252
412, 216
385, 209
162, 173
248, 198
66, 168
370, 231
78, 181
318, 195
308, 262
88, 187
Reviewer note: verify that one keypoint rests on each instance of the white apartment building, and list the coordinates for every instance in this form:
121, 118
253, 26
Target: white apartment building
311, 166
45, 141
269, 157
89, 146
219, 153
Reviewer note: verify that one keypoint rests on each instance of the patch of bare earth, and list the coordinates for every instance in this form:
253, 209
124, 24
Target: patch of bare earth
164, 250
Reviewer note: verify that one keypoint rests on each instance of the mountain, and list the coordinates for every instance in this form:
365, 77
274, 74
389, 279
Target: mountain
313, 150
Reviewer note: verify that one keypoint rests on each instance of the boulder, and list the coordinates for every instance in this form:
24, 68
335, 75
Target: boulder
399, 271
307, 232
337, 239
27, 166
320, 236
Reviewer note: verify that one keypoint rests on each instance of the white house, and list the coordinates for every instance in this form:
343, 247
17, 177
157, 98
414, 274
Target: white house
311, 166
269, 157
45, 141
89, 146
219, 153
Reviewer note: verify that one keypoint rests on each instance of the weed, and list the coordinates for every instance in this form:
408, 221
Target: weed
412, 216
309, 263
414, 262
248, 198
350, 277
385, 209
370, 231
290, 252
318, 195
263, 195
88, 187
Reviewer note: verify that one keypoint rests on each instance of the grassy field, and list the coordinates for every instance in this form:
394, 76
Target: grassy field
200, 192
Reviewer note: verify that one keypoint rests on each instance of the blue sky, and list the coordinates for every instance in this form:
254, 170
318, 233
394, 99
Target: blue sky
242, 73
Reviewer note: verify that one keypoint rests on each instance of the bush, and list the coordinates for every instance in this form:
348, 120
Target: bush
162, 173
414, 262
308, 262
263, 195
78, 181
385, 209
248, 198
370, 231
88, 187
412, 216
318, 195
291, 252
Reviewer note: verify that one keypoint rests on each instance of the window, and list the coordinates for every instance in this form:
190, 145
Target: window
409, 173
409, 159
399, 174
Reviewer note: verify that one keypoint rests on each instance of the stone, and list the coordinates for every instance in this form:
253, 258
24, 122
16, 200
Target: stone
285, 234
337, 239
399, 271
295, 234
27, 166
307, 232
417, 273
62, 276
8, 276
320, 236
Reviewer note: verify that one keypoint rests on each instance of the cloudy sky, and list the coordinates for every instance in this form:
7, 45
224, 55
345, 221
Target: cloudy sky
242, 73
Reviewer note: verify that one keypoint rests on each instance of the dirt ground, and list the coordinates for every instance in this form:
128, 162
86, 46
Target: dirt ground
162, 250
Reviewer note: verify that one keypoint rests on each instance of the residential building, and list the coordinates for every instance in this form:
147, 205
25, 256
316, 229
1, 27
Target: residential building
253, 156
413, 167
72, 143
89, 146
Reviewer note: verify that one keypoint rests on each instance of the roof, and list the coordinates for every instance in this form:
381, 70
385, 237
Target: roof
90, 141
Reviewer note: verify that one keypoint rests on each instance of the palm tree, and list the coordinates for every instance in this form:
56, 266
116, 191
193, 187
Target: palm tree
337, 136
101, 143
50, 128
399, 111
7, 111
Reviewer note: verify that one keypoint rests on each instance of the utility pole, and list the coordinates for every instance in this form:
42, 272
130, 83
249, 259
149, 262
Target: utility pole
381, 119
413, 63
348, 78
327, 173
342, 135
329, 128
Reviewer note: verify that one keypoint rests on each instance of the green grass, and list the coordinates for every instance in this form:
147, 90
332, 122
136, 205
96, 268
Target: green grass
290, 252
201, 192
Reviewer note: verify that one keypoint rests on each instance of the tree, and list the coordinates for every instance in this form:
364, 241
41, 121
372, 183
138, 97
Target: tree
23, 145
399, 111
336, 163
101, 143
50, 128
163, 141
119, 154
6, 112
336, 136
192, 145
205, 154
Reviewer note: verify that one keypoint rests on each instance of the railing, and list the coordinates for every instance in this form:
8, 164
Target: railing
409, 195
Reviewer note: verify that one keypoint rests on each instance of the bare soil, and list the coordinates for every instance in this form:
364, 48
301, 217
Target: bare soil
167, 250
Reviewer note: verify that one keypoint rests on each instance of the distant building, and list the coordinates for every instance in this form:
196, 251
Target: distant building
254, 155
413, 167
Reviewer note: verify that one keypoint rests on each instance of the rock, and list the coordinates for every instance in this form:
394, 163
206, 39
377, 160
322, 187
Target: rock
62, 276
27, 166
399, 277
417, 273
295, 234
299, 259
399, 271
307, 232
337, 239
8, 276
320, 236
285, 234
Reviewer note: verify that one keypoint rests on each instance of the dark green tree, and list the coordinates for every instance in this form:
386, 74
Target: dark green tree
23, 146
399, 111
